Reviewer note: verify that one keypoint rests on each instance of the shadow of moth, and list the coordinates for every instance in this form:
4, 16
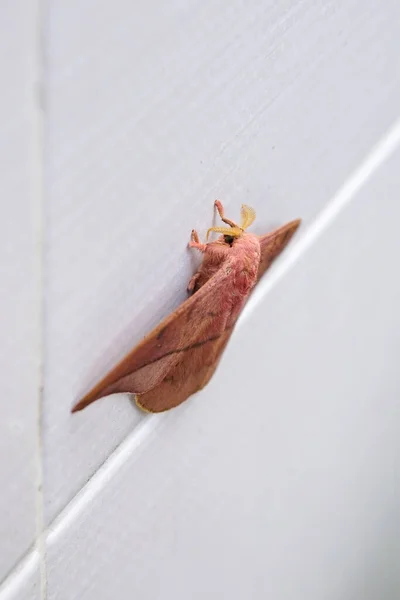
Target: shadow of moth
180, 355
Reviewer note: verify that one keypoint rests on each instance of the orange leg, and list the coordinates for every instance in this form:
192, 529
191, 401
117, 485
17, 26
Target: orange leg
220, 209
192, 282
195, 242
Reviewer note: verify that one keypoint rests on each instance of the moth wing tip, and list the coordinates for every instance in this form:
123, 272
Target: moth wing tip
90, 397
296, 223
293, 226
80, 405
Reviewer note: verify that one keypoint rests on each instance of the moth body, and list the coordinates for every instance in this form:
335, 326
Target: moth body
239, 260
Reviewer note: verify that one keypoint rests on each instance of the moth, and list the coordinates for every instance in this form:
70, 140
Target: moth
180, 355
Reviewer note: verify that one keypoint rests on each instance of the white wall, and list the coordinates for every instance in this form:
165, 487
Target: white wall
20, 275
281, 479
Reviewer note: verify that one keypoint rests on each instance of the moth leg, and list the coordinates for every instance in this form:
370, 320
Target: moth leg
192, 282
194, 236
201, 247
221, 212
195, 242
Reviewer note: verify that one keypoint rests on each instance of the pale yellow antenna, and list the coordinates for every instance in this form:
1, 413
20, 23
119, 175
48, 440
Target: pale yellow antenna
248, 215
233, 232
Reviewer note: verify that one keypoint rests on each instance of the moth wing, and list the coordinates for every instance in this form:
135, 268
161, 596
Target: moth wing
273, 243
189, 375
198, 322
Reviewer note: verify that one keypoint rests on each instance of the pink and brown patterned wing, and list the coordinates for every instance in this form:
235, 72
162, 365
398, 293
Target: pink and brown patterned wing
178, 356
273, 243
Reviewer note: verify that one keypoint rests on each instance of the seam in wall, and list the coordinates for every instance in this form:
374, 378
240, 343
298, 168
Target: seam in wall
39, 213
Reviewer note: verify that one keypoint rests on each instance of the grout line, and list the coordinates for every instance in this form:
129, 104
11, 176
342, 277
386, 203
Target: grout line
86, 494
373, 161
39, 124
102, 476
10, 588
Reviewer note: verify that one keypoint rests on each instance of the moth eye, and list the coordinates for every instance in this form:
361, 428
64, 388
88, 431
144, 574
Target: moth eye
228, 239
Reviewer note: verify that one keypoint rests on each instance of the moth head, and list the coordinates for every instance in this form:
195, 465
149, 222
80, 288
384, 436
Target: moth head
247, 215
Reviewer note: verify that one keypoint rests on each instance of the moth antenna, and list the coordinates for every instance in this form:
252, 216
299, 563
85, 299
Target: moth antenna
248, 215
233, 232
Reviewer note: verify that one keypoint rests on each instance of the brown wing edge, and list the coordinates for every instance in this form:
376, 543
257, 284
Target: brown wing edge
273, 243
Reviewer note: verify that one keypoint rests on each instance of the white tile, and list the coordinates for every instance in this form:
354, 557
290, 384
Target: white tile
19, 298
279, 480
153, 111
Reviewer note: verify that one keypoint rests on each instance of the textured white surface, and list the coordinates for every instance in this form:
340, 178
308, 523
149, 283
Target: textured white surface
19, 298
281, 479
